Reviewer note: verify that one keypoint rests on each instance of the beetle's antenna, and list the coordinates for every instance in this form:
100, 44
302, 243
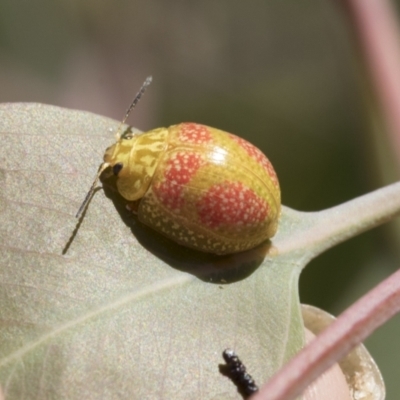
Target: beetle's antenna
91, 190
138, 96
105, 165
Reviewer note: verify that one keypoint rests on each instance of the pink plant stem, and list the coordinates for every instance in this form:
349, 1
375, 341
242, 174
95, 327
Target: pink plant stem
375, 25
376, 28
350, 329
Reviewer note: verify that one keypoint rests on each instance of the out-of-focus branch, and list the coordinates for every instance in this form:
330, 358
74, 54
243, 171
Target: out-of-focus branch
376, 28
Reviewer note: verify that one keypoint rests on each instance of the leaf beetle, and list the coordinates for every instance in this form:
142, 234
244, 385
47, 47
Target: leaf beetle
201, 187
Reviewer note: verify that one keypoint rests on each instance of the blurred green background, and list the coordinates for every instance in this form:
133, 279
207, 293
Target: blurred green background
284, 74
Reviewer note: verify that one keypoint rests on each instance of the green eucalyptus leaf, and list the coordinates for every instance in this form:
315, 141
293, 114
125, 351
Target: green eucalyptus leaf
103, 307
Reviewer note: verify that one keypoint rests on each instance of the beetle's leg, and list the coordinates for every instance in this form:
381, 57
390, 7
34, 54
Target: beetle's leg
133, 206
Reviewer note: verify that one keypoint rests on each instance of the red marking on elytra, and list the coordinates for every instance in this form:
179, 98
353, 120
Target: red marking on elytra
231, 204
180, 169
257, 155
194, 133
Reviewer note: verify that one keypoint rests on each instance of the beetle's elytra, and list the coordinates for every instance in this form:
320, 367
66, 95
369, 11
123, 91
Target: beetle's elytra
201, 187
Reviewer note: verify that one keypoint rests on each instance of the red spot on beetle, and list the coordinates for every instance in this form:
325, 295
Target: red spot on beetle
191, 132
179, 170
257, 155
231, 204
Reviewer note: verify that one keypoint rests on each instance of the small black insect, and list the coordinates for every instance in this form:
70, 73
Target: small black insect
237, 372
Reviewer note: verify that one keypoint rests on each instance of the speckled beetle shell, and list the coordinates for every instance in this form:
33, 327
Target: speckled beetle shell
199, 186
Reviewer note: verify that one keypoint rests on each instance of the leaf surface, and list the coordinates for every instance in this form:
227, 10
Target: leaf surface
107, 308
